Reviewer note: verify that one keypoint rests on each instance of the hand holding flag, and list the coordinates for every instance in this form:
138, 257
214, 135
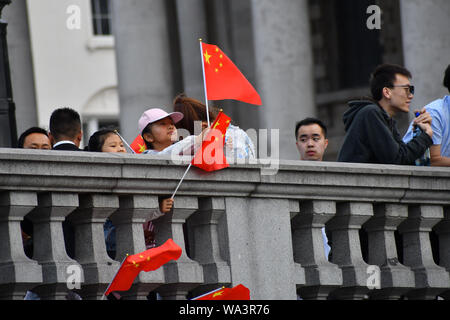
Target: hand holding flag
211, 156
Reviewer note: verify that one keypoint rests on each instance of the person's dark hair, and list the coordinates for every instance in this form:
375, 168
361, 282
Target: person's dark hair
309, 121
447, 78
193, 110
97, 140
65, 122
384, 76
27, 132
147, 129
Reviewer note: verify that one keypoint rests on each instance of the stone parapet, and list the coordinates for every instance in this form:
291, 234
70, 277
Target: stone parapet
237, 225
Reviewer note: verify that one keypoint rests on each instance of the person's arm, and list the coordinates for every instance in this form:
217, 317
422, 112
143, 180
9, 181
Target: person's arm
436, 159
388, 146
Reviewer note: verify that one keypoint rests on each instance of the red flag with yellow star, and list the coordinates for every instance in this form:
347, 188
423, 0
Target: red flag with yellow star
223, 79
211, 156
238, 292
138, 144
148, 260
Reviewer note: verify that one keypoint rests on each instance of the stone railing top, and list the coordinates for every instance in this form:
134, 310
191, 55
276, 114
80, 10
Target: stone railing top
82, 172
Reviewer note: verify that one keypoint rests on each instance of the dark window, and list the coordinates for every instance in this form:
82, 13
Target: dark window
101, 17
359, 49
345, 50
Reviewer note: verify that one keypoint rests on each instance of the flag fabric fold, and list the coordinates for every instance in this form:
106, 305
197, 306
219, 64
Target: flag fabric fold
238, 292
148, 260
223, 80
211, 156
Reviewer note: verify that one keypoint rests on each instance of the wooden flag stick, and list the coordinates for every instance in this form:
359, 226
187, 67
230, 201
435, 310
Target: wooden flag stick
103, 296
221, 288
182, 178
124, 141
204, 83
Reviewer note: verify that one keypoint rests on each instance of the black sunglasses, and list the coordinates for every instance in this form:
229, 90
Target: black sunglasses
409, 87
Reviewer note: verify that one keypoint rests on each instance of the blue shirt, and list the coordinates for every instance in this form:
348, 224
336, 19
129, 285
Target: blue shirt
440, 113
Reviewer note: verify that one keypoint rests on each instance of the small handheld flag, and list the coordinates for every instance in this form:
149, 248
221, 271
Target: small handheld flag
138, 145
148, 260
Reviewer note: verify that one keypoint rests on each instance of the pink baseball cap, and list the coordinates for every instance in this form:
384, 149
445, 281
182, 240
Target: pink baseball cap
155, 114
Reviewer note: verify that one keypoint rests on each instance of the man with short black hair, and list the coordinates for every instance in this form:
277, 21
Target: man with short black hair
440, 113
65, 134
65, 129
311, 139
34, 138
371, 132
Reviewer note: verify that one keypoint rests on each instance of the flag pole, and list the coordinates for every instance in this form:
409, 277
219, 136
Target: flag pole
204, 83
182, 178
124, 141
218, 289
103, 296
207, 114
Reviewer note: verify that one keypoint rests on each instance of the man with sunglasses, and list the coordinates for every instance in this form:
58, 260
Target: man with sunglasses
440, 113
371, 132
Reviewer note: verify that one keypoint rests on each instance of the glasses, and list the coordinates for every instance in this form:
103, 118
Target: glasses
410, 89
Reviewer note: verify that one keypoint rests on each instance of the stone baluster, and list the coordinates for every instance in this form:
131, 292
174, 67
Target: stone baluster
430, 279
260, 247
299, 271
184, 274
321, 276
18, 273
443, 231
90, 248
346, 248
134, 210
395, 278
48, 244
205, 243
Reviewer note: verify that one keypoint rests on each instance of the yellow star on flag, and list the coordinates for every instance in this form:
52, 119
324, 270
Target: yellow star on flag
141, 148
207, 57
217, 293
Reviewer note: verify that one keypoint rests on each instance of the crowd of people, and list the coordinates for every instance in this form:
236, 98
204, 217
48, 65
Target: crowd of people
371, 136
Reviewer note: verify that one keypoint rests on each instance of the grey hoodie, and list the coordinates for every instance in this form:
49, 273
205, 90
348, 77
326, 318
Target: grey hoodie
372, 137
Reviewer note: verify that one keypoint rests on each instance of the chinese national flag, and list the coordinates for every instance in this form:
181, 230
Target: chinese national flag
211, 156
148, 260
238, 292
223, 79
138, 145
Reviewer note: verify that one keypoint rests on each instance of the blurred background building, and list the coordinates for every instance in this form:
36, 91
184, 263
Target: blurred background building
112, 59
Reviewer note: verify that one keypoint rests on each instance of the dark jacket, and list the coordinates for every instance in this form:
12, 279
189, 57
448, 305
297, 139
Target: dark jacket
67, 147
372, 137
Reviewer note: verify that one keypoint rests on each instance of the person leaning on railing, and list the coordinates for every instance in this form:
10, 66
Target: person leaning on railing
440, 113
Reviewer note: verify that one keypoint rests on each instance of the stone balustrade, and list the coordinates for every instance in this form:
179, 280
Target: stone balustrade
237, 225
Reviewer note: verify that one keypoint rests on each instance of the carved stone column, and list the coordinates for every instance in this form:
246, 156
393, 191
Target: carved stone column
48, 243
184, 274
90, 248
395, 278
206, 243
321, 276
346, 247
431, 280
17, 272
443, 231
128, 219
